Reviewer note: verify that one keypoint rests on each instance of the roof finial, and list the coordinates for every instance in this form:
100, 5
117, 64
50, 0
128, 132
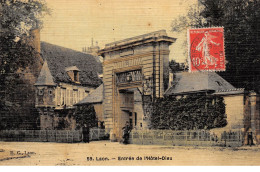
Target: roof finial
92, 42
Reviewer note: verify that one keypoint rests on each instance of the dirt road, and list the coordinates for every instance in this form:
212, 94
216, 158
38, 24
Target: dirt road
113, 153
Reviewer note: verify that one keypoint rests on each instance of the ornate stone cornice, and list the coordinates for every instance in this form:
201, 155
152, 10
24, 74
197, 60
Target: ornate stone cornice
154, 37
149, 53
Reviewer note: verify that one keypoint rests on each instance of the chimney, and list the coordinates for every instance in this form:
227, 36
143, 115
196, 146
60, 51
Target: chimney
35, 37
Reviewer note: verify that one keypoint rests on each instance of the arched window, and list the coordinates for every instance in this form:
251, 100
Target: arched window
40, 92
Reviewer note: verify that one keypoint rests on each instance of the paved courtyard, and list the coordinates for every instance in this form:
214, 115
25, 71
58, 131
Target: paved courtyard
114, 153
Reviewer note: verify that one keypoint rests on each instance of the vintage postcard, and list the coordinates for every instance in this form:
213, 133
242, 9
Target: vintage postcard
129, 83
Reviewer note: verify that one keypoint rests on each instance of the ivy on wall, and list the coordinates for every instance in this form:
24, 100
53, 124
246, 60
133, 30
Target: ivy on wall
85, 115
194, 111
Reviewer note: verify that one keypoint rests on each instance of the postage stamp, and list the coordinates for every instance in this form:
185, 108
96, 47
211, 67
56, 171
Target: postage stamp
206, 49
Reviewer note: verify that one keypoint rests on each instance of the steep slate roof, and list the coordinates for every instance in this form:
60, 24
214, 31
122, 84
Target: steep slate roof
196, 82
45, 77
60, 58
95, 96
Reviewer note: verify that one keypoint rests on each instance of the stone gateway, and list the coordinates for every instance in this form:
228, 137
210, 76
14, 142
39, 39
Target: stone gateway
132, 69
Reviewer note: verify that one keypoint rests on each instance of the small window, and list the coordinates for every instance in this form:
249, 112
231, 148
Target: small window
135, 118
40, 92
75, 75
50, 92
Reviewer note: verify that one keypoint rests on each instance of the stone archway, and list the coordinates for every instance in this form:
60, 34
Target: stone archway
127, 64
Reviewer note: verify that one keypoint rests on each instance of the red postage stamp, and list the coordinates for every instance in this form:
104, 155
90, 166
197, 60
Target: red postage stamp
206, 49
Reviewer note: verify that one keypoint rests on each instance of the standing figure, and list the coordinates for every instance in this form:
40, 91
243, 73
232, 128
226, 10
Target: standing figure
204, 46
85, 133
250, 138
126, 133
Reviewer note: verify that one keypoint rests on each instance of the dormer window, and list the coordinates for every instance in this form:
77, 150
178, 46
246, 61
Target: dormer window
73, 73
76, 73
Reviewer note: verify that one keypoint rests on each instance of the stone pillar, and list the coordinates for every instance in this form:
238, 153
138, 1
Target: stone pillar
255, 119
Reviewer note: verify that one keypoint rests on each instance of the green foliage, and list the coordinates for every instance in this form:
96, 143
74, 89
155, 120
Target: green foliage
19, 61
177, 67
241, 23
86, 115
195, 111
192, 19
240, 19
18, 17
17, 20
62, 124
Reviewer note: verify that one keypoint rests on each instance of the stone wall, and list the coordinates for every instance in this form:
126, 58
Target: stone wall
242, 114
99, 111
235, 114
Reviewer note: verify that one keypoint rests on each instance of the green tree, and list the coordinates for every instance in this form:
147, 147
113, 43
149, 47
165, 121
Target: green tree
240, 21
19, 61
177, 67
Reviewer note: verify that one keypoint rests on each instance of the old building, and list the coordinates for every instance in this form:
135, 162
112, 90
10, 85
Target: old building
242, 107
95, 98
136, 70
67, 76
93, 49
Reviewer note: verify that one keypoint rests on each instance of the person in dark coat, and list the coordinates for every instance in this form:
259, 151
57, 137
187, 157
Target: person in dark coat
85, 132
126, 133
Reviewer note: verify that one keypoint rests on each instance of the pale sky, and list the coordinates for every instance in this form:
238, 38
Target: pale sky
74, 22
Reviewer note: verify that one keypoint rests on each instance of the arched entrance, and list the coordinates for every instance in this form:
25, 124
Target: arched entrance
132, 68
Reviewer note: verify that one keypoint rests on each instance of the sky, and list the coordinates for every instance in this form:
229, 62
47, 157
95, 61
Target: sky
73, 23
